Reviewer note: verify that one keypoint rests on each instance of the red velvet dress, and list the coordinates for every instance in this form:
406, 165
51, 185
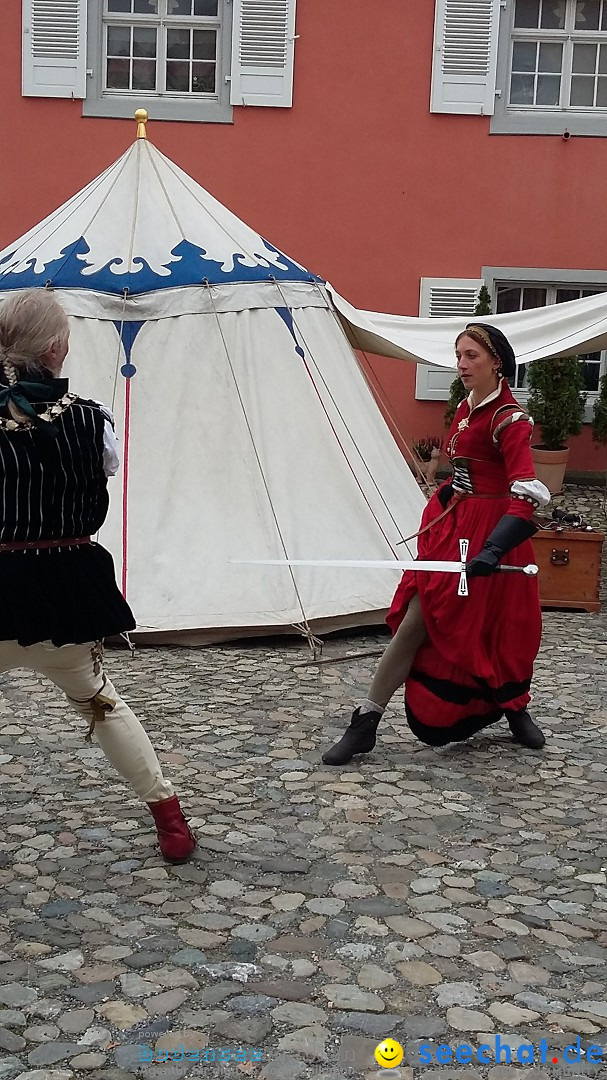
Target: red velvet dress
478, 658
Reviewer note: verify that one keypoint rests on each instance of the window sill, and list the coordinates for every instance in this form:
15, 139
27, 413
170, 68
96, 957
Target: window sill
159, 108
512, 122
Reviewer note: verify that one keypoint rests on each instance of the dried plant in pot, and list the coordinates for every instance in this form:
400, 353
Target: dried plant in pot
428, 451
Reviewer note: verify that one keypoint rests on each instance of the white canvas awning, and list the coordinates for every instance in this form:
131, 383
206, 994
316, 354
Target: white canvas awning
579, 326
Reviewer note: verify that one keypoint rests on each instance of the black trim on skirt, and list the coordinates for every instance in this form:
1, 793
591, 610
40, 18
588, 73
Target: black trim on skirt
458, 732
458, 694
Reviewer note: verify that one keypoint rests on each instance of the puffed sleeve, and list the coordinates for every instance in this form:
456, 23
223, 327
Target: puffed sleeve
512, 435
111, 457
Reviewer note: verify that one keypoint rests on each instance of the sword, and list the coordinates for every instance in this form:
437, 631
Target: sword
530, 569
429, 566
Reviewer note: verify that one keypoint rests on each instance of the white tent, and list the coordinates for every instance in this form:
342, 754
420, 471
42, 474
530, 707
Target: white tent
248, 430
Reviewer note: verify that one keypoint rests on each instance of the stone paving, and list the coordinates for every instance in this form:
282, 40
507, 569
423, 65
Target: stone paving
438, 897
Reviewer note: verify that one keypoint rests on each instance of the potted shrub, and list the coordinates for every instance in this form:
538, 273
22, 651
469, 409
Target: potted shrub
556, 403
456, 394
599, 422
599, 414
456, 390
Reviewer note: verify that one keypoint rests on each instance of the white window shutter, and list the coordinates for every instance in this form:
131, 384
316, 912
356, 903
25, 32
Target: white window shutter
54, 48
446, 297
464, 62
263, 46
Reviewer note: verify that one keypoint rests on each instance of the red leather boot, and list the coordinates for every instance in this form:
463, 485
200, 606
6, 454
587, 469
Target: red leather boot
177, 841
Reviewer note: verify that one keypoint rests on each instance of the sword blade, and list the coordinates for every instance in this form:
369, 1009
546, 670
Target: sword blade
382, 564
359, 564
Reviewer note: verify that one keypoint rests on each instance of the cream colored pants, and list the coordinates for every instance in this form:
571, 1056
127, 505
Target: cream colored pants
78, 671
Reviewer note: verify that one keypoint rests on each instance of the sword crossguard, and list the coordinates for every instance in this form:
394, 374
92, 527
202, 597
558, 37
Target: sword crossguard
463, 578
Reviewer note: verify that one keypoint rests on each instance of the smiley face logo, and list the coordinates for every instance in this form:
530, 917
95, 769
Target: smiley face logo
389, 1054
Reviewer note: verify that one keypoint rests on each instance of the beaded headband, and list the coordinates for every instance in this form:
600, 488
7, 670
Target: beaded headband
481, 333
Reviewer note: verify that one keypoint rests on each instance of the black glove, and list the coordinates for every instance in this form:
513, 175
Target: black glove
509, 532
444, 494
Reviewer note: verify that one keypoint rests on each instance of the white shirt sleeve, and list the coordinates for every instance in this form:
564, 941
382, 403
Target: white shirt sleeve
111, 457
531, 490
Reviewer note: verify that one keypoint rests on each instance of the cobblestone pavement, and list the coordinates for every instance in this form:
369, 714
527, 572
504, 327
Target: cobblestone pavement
452, 896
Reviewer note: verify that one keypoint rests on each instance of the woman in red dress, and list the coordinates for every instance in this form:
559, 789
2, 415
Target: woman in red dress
468, 661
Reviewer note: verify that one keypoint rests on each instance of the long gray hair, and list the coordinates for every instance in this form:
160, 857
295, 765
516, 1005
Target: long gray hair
30, 323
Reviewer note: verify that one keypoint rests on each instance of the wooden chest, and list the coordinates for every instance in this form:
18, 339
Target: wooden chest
569, 568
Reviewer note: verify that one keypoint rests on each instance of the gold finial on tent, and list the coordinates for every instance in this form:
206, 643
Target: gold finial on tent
141, 117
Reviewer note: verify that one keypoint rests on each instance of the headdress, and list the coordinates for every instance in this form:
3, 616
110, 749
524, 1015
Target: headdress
497, 344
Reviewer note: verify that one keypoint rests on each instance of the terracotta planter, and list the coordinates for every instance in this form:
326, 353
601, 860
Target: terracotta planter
550, 467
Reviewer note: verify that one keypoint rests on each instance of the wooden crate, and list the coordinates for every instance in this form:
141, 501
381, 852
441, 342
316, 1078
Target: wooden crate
570, 568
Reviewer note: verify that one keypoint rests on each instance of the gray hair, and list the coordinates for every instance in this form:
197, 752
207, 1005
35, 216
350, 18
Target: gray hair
30, 323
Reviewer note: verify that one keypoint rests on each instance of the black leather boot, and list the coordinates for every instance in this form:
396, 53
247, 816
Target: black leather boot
358, 738
524, 731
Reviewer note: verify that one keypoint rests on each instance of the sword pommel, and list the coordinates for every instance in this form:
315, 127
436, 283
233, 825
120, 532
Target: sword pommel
531, 569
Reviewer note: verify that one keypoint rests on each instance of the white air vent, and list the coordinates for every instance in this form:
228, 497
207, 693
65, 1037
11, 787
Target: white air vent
263, 39
450, 303
467, 46
55, 28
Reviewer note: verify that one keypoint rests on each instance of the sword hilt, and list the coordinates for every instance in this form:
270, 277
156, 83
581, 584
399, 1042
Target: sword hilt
531, 569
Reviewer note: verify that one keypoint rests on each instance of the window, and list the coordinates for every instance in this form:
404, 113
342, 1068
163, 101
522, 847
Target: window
161, 46
510, 296
552, 67
558, 57
174, 53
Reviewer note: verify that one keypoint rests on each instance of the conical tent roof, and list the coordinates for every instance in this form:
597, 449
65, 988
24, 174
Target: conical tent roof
142, 225
247, 428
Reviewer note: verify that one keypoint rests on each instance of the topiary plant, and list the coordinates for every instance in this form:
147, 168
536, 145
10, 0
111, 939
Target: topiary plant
599, 424
556, 401
599, 414
483, 303
457, 392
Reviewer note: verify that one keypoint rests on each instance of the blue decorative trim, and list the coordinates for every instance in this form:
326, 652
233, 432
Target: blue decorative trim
188, 265
287, 317
127, 332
